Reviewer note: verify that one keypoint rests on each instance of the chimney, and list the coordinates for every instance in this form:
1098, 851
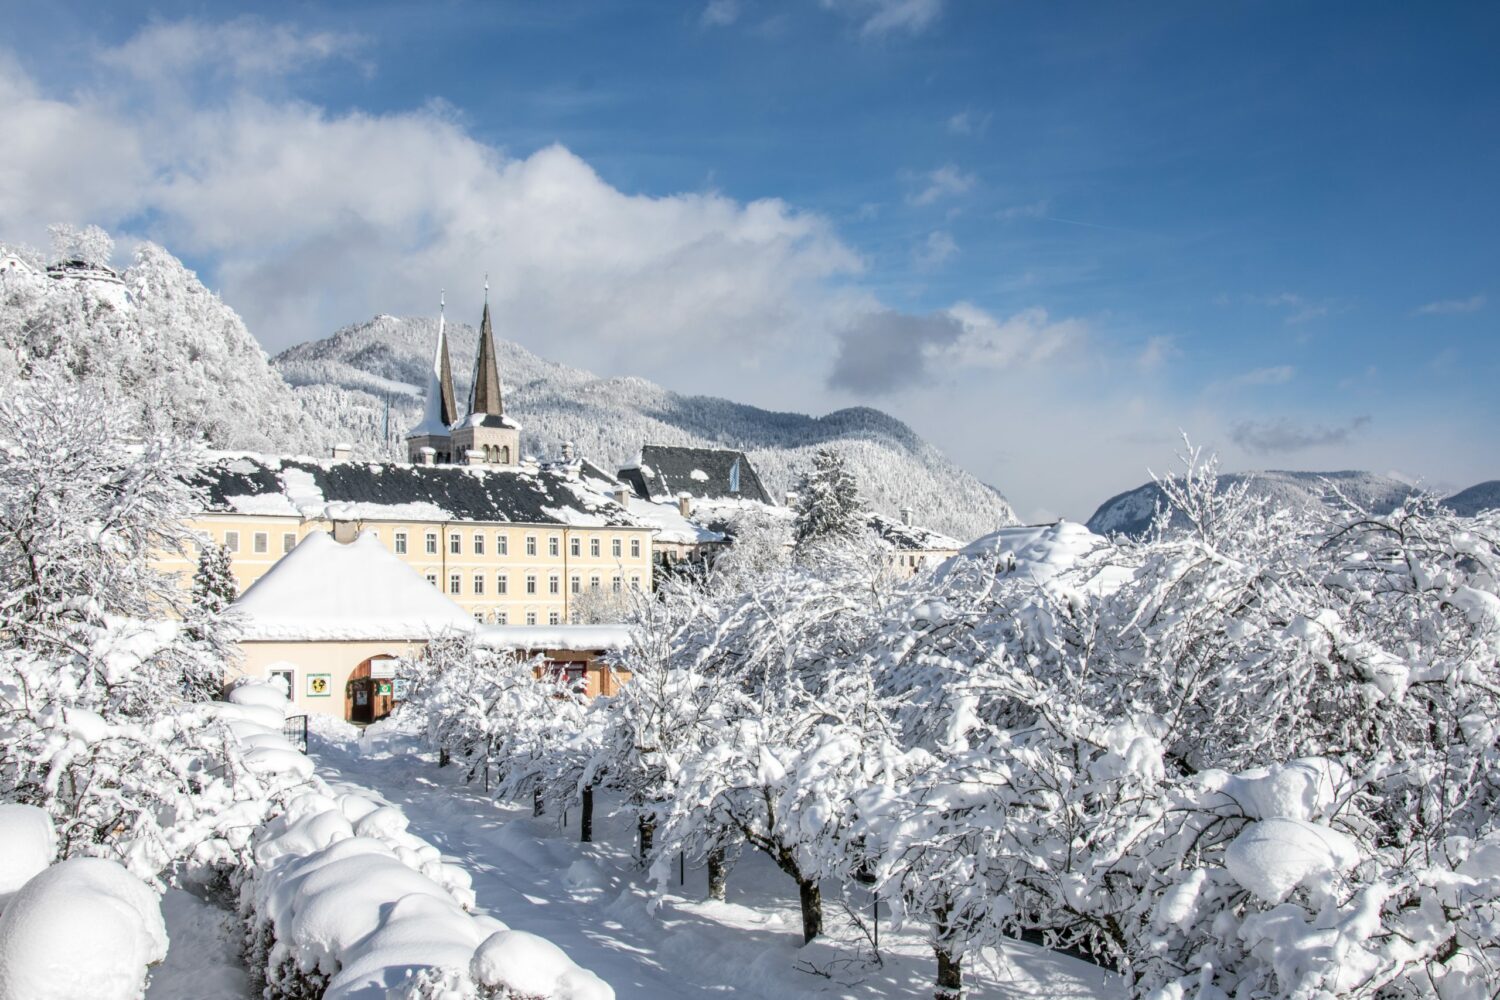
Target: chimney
429, 455
906, 513
622, 495
567, 451
342, 451
685, 504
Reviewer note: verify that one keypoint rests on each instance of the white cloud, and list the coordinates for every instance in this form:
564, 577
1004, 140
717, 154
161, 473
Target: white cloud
720, 13
944, 182
968, 122
881, 17
244, 48
935, 251
1157, 352
1451, 307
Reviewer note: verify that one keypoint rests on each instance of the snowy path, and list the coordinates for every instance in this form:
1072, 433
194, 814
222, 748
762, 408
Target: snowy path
591, 900
203, 959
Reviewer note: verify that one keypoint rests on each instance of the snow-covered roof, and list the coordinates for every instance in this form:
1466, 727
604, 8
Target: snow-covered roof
1036, 552
911, 537
326, 590
355, 490
665, 516
538, 637
662, 472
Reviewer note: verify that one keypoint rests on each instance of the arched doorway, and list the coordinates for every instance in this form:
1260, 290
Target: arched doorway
371, 692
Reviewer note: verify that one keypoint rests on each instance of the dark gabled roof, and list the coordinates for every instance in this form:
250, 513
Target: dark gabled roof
703, 473
910, 537
376, 490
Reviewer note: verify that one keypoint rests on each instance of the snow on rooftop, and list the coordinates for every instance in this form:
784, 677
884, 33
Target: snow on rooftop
326, 590
569, 637
1038, 553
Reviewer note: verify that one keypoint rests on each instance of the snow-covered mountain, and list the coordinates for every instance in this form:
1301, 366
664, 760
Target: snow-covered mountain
154, 339
1130, 513
1480, 496
349, 377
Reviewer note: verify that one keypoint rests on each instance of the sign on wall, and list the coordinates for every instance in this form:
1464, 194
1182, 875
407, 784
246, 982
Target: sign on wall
319, 685
383, 669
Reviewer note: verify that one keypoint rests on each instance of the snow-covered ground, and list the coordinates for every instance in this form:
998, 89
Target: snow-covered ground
203, 957
593, 901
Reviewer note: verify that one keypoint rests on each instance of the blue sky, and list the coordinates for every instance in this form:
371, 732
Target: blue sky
1050, 236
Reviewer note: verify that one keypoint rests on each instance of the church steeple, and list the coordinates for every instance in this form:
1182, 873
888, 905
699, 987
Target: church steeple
484, 396
441, 412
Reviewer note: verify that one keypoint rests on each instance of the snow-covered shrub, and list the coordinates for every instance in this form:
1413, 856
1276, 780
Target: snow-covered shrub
83, 927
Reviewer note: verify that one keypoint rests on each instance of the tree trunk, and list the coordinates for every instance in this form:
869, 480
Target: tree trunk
536, 802
811, 898
950, 975
586, 813
646, 833
718, 874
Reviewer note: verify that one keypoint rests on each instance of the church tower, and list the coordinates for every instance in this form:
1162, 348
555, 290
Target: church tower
486, 436
440, 413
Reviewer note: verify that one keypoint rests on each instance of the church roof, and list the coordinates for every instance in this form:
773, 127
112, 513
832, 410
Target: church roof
484, 393
441, 410
664, 472
262, 484
326, 590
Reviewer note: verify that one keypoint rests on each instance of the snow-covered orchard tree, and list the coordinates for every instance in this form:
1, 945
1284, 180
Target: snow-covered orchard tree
829, 509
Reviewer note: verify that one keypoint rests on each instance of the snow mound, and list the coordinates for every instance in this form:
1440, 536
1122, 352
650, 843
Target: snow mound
85, 927
1272, 857
532, 966
28, 844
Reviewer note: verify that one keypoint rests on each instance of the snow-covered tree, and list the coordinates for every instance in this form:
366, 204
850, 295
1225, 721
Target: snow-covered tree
828, 505
214, 585
90, 244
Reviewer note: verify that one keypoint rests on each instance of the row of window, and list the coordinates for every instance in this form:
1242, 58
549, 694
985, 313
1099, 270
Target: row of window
477, 545
554, 583
499, 617
260, 542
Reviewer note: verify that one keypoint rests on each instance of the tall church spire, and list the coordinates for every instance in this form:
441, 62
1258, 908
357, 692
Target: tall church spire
484, 396
441, 411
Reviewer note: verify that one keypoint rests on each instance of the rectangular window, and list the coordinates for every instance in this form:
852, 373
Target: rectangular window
285, 679
635, 583
400, 543
502, 545
614, 548
614, 584
455, 583
501, 618
262, 543
478, 544
502, 584
531, 583
575, 617
594, 584
553, 618
635, 548
432, 579
288, 541
554, 585
478, 583
479, 617
531, 545
432, 543
576, 584
552, 546
232, 541
531, 618
575, 546
455, 547
594, 547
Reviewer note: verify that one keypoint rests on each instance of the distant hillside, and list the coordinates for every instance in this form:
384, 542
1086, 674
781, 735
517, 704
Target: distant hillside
1130, 513
352, 375
1483, 496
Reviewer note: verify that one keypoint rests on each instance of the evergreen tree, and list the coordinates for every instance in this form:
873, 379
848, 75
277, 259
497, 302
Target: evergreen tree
829, 508
214, 588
